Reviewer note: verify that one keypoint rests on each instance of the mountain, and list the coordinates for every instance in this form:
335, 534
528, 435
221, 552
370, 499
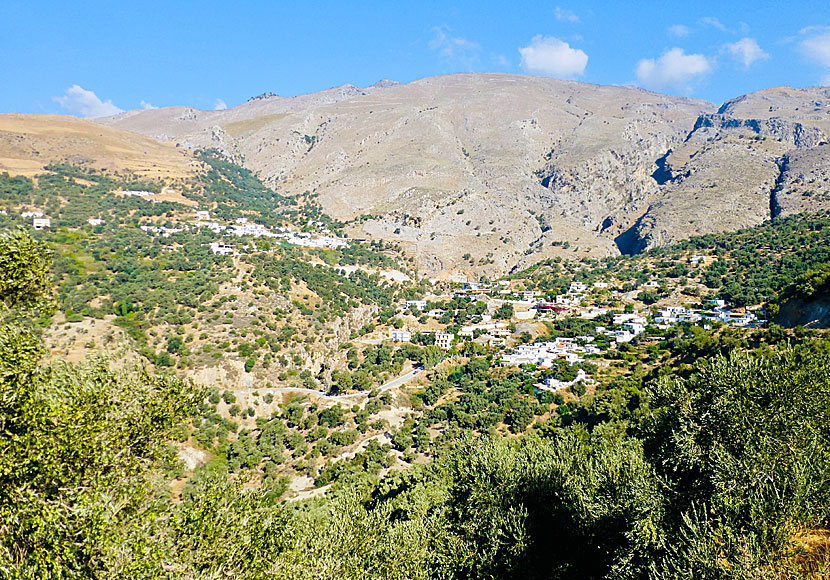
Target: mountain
484, 173
490, 165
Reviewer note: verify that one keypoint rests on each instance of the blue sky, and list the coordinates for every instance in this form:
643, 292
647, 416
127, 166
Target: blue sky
89, 58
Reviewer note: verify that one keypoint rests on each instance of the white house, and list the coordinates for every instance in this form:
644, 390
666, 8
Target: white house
635, 328
221, 249
95, 221
552, 384
443, 340
41, 223
546, 354
494, 328
401, 336
31, 214
629, 317
203, 215
622, 336
417, 304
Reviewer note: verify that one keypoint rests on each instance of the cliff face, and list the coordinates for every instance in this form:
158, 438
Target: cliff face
753, 160
486, 172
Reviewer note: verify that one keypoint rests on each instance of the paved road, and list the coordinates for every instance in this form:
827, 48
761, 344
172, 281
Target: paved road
402, 380
394, 383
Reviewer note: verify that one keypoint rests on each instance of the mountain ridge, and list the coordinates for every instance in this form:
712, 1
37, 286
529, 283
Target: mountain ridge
482, 173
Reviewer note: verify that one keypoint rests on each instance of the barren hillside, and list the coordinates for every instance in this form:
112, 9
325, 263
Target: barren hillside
30, 142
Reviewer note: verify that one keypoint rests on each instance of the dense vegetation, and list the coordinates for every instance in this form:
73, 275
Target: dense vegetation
712, 472
181, 304
749, 266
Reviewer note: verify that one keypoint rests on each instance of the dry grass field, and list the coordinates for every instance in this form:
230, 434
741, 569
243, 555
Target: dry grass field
30, 142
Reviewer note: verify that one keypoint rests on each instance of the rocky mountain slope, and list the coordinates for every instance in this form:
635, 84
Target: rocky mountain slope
761, 155
481, 173
487, 165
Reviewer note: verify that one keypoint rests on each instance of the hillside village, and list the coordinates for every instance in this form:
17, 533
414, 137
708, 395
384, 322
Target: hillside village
508, 318
501, 334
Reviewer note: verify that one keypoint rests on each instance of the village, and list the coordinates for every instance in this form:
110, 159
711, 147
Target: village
508, 316
527, 308
239, 228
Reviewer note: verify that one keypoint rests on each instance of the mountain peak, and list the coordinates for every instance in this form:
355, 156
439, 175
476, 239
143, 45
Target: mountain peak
384, 84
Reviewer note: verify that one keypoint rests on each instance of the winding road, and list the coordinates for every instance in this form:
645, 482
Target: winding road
394, 383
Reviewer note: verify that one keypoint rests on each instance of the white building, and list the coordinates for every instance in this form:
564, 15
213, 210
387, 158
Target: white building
635, 328
221, 249
443, 340
552, 384
636, 318
203, 215
31, 214
401, 336
547, 354
41, 223
494, 328
95, 221
675, 314
621, 336
163, 230
417, 304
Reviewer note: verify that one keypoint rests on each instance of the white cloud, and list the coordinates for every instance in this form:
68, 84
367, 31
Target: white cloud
674, 69
563, 15
219, 105
813, 29
679, 30
817, 48
146, 105
713, 22
457, 52
552, 57
79, 101
746, 51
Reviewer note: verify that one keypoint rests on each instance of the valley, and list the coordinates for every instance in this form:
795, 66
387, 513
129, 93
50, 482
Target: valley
471, 326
